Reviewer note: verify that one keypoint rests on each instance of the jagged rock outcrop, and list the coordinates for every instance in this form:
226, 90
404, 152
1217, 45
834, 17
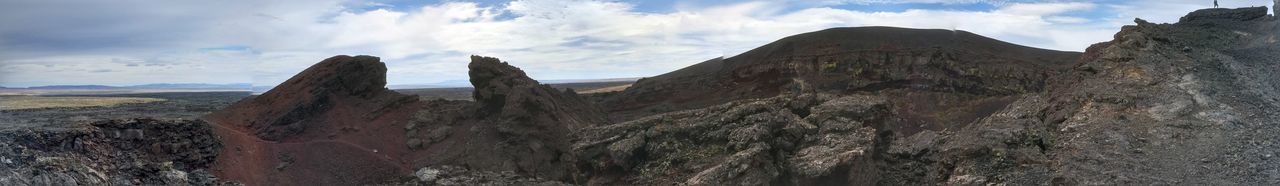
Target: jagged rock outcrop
332, 124
504, 91
112, 152
515, 125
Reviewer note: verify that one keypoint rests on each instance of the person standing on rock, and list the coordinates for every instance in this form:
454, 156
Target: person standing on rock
1215, 3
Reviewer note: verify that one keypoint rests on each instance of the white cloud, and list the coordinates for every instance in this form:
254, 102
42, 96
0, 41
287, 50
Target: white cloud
1066, 19
590, 39
1044, 8
927, 1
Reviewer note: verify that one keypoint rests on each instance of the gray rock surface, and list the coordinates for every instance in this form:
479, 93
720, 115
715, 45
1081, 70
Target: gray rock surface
448, 175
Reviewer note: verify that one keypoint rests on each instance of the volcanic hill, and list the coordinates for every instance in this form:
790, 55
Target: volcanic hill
329, 124
945, 77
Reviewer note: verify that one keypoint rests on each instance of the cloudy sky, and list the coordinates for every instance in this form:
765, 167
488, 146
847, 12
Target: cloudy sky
127, 42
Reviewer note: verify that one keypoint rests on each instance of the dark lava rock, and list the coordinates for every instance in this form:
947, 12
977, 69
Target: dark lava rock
113, 152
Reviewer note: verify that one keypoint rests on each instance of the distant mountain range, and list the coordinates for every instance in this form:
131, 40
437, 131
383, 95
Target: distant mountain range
151, 86
247, 86
467, 83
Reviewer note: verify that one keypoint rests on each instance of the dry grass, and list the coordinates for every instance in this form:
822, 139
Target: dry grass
606, 89
32, 102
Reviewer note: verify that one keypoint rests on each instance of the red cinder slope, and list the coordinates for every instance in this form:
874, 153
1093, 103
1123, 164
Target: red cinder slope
333, 124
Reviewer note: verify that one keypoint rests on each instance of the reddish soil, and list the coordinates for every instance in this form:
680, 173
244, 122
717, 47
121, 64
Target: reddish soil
365, 152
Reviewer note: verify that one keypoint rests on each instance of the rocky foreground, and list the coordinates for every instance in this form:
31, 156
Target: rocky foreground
112, 152
1188, 103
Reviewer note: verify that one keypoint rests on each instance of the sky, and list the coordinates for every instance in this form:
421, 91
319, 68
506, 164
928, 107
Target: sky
130, 42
